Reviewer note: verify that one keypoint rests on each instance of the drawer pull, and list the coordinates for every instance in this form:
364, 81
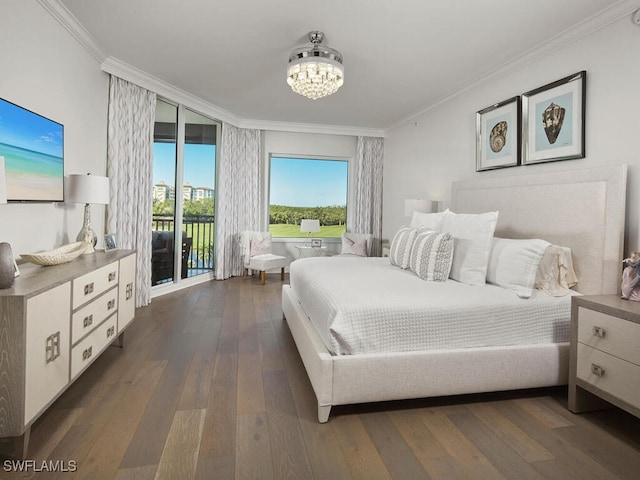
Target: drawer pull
87, 352
111, 331
111, 304
87, 321
88, 288
112, 276
52, 350
598, 331
597, 370
129, 291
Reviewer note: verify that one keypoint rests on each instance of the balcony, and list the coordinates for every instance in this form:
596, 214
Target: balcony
197, 247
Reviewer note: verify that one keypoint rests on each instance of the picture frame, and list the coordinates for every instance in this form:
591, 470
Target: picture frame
498, 135
553, 120
110, 242
316, 243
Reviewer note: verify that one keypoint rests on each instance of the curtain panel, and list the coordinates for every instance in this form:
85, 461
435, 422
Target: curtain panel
131, 120
366, 216
238, 198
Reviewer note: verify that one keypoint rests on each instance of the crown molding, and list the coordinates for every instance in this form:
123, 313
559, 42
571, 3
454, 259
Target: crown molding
312, 128
65, 18
555, 43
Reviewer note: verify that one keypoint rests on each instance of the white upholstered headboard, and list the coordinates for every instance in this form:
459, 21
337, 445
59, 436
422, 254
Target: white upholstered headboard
580, 209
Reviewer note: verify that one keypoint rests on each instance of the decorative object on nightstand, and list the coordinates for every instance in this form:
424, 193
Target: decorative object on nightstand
631, 277
7, 266
605, 354
88, 189
309, 226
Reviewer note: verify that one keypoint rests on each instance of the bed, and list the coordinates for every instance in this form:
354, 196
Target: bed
580, 209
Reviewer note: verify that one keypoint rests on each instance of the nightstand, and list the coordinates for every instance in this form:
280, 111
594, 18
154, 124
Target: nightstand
605, 353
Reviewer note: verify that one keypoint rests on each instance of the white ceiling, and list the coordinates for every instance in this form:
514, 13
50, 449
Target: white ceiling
400, 56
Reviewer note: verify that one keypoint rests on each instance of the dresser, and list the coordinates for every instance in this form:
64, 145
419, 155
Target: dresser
54, 322
605, 354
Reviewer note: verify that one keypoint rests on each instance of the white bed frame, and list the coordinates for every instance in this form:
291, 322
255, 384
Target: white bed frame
581, 209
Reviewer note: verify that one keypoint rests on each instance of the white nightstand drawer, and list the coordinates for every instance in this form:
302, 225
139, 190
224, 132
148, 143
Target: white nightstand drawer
91, 315
610, 374
609, 334
85, 352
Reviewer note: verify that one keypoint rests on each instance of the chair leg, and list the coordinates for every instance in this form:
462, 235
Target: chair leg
263, 276
282, 274
244, 273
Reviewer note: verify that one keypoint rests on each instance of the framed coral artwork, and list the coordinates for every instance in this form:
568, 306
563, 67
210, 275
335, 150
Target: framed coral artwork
498, 135
553, 121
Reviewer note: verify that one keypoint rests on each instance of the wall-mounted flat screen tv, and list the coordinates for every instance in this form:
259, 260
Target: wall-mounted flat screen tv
33, 151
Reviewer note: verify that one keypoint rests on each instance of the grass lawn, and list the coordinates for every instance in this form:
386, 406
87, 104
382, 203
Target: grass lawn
293, 231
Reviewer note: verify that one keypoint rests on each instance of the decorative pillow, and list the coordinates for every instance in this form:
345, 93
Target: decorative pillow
513, 264
472, 235
431, 255
432, 221
555, 275
259, 246
400, 250
353, 247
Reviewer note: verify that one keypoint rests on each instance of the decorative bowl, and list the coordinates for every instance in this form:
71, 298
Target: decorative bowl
57, 256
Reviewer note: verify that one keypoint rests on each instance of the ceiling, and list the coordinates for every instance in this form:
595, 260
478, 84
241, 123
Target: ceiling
400, 56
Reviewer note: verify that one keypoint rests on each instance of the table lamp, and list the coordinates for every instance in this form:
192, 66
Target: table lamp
88, 189
309, 226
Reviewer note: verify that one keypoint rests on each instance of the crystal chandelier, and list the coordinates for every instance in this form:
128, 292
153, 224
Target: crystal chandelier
316, 70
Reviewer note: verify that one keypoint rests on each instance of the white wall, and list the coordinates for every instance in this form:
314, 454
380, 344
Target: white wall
423, 156
44, 69
292, 144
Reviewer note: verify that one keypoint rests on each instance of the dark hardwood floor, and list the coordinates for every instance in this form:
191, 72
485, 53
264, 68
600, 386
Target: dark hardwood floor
209, 386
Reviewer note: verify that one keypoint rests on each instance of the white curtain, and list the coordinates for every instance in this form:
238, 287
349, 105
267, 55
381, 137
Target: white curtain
366, 213
130, 170
238, 199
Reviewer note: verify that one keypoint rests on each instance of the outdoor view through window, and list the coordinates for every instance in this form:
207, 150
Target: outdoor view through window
307, 188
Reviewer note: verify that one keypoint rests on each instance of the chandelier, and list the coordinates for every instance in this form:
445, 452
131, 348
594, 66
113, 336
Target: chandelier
316, 70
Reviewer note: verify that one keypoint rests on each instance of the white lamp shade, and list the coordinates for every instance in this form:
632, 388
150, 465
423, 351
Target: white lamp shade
415, 205
87, 189
3, 182
310, 225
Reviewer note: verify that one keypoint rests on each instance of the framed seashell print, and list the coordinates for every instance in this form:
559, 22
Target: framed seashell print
498, 135
553, 120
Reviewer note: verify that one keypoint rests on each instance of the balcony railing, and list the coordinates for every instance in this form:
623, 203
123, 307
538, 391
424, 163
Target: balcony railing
197, 246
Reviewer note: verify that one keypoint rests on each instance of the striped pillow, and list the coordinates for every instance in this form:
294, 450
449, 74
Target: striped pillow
400, 250
432, 255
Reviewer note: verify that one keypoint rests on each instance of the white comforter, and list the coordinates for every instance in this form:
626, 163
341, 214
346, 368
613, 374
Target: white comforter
365, 305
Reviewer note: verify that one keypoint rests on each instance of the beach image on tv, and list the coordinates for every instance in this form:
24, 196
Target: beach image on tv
33, 151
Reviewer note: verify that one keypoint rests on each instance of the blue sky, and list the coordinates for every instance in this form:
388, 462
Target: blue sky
24, 129
200, 166
308, 183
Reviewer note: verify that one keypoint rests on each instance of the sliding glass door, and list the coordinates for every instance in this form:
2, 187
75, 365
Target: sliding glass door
183, 194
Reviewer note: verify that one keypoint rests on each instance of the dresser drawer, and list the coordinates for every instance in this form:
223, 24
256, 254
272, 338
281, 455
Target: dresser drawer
610, 374
85, 352
91, 315
93, 284
609, 334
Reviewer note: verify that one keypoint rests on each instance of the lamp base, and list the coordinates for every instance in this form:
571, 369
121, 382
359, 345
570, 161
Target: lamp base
87, 234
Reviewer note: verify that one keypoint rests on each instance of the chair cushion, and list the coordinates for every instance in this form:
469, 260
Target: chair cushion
266, 262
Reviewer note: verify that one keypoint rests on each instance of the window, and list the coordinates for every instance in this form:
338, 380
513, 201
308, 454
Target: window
307, 188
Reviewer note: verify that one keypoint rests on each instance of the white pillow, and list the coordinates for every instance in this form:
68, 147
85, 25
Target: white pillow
432, 221
431, 255
400, 250
353, 247
472, 235
513, 264
260, 246
555, 274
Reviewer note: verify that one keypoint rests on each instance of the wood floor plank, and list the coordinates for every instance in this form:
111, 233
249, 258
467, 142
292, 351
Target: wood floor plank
474, 464
51, 428
148, 472
360, 452
535, 407
288, 453
522, 443
253, 449
180, 455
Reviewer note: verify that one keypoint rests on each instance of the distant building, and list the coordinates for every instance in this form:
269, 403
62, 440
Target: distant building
200, 193
187, 191
162, 192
